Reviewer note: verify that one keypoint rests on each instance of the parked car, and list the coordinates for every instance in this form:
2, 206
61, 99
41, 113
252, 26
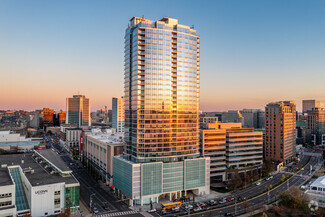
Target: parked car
224, 200
95, 210
106, 206
212, 202
228, 214
176, 209
203, 205
197, 209
257, 183
152, 210
231, 199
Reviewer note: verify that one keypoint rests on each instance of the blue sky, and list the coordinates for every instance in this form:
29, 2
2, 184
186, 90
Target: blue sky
252, 51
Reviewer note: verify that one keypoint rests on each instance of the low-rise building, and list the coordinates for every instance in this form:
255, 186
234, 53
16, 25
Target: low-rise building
230, 147
316, 191
100, 150
37, 183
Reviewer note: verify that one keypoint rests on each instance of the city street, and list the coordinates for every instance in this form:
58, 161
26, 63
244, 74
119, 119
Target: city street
89, 187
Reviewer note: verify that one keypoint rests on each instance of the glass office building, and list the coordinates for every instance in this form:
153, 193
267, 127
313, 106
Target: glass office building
161, 90
161, 107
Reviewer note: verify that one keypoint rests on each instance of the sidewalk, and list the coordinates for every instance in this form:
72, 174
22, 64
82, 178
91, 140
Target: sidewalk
83, 210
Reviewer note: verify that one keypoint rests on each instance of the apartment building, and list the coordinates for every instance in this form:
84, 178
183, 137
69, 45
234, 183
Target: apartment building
280, 131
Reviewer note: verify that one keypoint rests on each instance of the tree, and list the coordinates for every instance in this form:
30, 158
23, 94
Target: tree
66, 212
236, 181
267, 168
294, 199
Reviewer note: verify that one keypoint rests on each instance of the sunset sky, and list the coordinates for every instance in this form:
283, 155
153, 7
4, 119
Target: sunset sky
252, 51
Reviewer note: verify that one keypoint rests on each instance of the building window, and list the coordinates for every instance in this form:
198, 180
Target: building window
57, 192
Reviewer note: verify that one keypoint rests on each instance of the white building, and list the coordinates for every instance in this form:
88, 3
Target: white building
43, 184
7, 136
316, 191
100, 150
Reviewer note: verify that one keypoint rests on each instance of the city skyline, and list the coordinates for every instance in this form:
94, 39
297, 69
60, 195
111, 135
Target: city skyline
253, 52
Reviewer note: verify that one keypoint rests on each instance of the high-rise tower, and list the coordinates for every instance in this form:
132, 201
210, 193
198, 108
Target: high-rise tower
161, 113
118, 114
78, 111
280, 131
161, 90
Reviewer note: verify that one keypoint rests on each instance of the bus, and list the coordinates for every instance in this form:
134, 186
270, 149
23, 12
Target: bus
171, 205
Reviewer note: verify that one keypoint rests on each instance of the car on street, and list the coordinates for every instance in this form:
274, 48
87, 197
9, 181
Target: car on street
152, 210
106, 206
95, 210
176, 209
231, 199
224, 200
228, 214
188, 207
257, 183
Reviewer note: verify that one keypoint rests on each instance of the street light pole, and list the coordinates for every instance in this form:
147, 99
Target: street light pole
235, 205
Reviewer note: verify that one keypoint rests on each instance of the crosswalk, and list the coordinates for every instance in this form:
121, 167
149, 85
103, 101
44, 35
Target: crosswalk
145, 214
117, 214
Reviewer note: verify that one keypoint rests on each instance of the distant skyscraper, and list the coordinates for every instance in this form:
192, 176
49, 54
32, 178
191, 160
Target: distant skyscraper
78, 111
316, 126
280, 131
118, 114
232, 116
161, 113
308, 105
253, 118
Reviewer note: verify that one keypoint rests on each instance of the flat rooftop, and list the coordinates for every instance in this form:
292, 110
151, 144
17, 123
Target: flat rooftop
5, 178
24, 143
42, 173
113, 138
55, 159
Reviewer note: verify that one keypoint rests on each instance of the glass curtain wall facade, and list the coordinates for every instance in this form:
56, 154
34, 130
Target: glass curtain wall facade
78, 111
161, 91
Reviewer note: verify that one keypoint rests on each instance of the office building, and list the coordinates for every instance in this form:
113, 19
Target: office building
78, 111
213, 145
316, 126
280, 131
253, 118
208, 118
230, 146
100, 149
39, 184
118, 119
48, 115
72, 141
308, 105
232, 116
161, 113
